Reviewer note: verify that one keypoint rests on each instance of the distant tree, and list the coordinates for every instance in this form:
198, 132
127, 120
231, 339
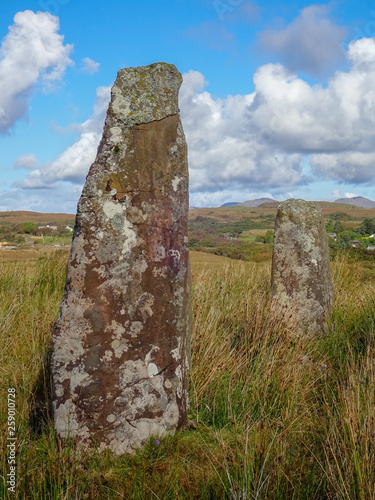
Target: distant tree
193, 242
340, 216
338, 227
345, 238
366, 242
332, 243
367, 227
330, 226
29, 227
265, 238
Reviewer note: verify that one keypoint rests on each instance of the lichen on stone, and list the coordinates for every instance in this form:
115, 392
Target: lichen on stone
122, 340
301, 276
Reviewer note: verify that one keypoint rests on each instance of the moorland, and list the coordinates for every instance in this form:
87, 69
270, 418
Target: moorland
272, 416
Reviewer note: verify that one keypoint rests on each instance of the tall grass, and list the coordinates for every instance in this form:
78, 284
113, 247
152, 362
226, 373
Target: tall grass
273, 415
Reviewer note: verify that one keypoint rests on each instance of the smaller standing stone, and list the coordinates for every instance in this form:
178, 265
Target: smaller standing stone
301, 275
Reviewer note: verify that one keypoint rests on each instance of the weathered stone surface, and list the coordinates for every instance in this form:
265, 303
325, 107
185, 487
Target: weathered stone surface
301, 275
121, 344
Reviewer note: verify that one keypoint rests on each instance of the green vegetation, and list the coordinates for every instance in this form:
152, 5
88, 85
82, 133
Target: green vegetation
273, 416
232, 238
43, 234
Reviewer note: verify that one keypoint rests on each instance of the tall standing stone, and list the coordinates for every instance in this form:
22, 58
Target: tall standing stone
301, 275
121, 344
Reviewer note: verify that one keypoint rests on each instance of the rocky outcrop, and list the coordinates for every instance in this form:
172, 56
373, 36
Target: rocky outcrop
301, 276
121, 344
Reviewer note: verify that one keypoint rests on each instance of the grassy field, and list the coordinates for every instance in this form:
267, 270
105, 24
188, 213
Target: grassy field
273, 416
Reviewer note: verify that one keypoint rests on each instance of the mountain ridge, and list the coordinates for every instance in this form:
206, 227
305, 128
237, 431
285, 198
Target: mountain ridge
357, 201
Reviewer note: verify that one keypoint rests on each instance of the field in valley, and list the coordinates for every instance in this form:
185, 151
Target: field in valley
273, 416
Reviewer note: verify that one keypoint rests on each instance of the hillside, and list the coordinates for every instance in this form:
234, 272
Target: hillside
20, 216
357, 201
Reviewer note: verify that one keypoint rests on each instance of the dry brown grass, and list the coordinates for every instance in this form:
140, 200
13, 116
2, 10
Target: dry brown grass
274, 416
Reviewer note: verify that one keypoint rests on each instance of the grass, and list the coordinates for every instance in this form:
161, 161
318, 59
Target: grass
273, 416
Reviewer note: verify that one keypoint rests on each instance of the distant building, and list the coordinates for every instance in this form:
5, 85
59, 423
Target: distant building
53, 227
69, 228
332, 235
354, 243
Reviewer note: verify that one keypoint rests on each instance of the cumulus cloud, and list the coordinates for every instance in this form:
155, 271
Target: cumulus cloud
350, 195
354, 167
279, 138
63, 200
262, 140
28, 162
72, 165
224, 146
310, 43
90, 66
31, 52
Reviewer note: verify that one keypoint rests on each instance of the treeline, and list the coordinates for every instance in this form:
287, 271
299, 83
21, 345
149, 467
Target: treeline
15, 233
344, 237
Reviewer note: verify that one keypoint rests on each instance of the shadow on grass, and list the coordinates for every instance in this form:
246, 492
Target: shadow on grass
41, 413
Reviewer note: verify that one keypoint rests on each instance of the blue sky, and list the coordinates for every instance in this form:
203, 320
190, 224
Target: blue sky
278, 100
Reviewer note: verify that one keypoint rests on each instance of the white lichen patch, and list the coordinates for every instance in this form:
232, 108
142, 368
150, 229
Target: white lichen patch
140, 266
119, 343
176, 182
150, 353
77, 377
176, 353
121, 268
101, 271
107, 358
152, 370
59, 390
180, 387
115, 134
111, 208
159, 253
167, 383
131, 239
135, 328
143, 304
66, 423
175, 254
160, 271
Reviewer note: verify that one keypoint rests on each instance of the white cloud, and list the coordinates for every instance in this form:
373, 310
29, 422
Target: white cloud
31, 52
218, 198
350, 195
280, 138
262, 140
28, 162
225, 149
61, 200
90, 66
72, 165
311, 43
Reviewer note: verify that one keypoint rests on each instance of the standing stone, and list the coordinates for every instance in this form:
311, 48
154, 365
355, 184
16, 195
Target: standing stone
301, 275
121, 343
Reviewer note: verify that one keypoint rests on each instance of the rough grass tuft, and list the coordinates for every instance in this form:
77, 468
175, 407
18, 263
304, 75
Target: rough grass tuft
272, 415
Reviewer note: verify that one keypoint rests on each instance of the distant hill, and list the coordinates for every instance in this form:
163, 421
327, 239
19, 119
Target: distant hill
357, 201
248, 203
230, 204
20, 216
256, 203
